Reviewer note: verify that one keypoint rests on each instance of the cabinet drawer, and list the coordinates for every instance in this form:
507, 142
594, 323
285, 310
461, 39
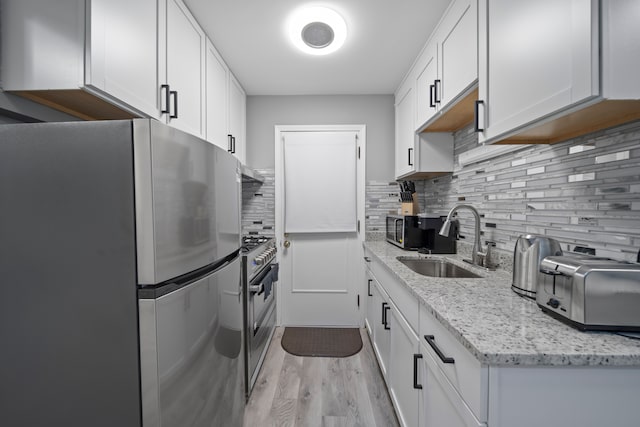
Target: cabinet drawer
402, 297
440, 402
462, 369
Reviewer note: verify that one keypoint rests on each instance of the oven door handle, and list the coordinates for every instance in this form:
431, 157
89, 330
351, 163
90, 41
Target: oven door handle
256, 289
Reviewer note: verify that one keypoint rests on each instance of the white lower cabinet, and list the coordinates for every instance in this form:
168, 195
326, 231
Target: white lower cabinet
435, 381
402, 369
461, 369
425, 388
439, 403
369, 302
381, 331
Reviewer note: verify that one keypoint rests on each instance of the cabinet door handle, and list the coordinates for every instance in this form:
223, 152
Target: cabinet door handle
369, 287
409, 150
367, 259
229, 136
233, 145
436, 85
432, 104
386, 320
167, 99
415, 371
174, 93
476, 113
431, 341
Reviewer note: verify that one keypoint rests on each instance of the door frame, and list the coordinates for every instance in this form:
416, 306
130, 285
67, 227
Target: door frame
361, 132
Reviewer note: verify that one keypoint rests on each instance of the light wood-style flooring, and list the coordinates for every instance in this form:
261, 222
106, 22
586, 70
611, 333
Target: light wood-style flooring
319, 391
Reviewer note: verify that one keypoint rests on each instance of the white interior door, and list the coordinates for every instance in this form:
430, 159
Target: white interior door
319, 212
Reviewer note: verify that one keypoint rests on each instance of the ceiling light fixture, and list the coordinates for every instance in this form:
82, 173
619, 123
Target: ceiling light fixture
317, 30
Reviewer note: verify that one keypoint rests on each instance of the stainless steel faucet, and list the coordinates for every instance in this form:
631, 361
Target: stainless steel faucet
477, 257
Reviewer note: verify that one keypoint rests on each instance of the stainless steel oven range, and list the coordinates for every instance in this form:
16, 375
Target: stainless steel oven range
260, 272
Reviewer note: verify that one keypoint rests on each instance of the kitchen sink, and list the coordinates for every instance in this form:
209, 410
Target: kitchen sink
437, 268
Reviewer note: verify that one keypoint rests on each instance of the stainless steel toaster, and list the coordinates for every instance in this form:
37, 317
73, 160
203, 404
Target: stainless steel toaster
590, 293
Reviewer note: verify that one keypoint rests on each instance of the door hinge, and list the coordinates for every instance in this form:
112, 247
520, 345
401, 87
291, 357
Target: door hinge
358, 300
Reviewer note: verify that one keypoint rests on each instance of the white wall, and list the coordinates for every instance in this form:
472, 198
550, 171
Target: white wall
375, 111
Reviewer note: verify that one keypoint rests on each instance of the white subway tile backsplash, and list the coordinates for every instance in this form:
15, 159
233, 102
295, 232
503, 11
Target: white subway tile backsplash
581, 148
614, 157
534, 171
562, 191
258, 205
614, 206
535, 194
582, 177
532, 205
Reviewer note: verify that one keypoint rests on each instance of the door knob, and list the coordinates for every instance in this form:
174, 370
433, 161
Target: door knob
287, 243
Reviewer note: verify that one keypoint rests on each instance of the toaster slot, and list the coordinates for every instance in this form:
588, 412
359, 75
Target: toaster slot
556, 287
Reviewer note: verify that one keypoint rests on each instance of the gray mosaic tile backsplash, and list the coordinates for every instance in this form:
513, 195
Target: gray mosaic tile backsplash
258, 205
583, 192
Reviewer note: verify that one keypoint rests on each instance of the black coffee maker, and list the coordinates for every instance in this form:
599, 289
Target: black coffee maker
435, 243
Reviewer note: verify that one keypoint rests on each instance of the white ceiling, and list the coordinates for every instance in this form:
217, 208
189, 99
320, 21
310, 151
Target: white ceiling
384, 37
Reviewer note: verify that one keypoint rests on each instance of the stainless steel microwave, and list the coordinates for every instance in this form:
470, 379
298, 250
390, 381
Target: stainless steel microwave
404, 231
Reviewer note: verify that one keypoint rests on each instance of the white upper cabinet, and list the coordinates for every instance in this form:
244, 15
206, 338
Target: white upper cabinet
447, 69
117, 59
216, 98
426, 81
620, 49
225, 106
457, 51
75, 55
405, 136
182, 92
418, 156
540, 68
537, 58
237, 118
122, 51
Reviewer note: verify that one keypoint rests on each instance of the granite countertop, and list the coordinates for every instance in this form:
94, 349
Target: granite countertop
499, 327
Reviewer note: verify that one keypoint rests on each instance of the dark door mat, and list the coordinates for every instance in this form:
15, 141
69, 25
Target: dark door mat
322, 342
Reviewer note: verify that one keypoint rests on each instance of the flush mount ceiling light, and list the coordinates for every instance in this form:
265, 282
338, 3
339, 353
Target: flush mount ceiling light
317, 30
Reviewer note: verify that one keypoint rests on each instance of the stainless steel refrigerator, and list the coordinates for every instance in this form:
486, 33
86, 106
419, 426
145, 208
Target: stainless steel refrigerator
120, 283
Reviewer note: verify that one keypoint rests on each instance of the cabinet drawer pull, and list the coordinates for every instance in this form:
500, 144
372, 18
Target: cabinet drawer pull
476, 113
415, 371
167, 99
175, 104
369, 287
409, 150
385, 307
436, 86
431, 341
386, 318
367, 259
432, 104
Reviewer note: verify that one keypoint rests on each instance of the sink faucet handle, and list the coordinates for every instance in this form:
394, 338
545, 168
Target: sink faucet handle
489, 261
